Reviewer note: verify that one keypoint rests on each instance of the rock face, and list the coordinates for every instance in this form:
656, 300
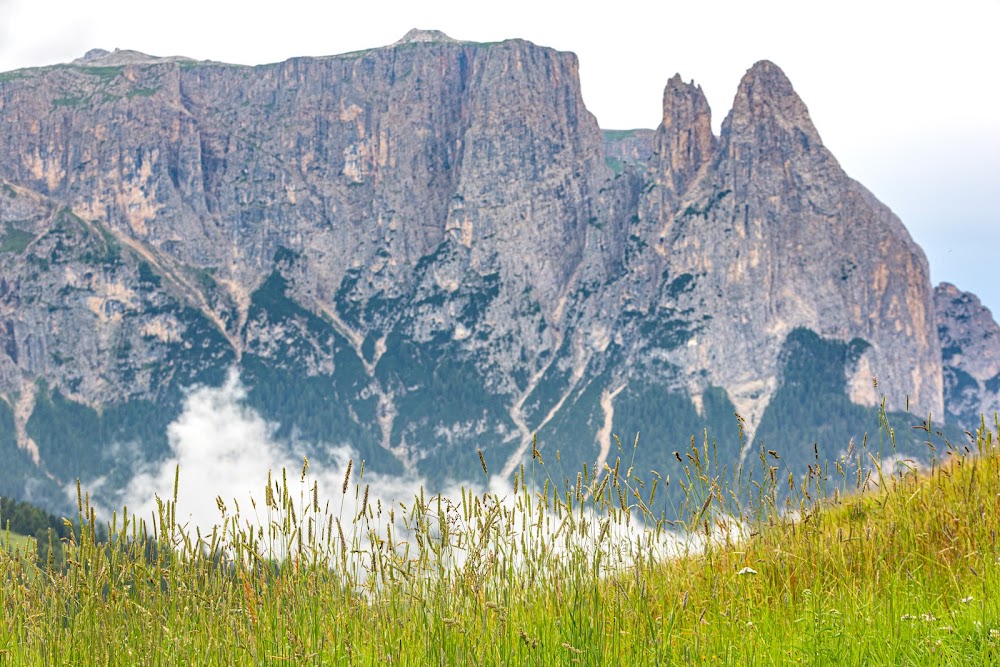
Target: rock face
426, 249
970, 352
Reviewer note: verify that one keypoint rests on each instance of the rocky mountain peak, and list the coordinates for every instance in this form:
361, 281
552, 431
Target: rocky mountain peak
765, 97
93, 54
119, 57
684, 139
949, 293
970, 353
417, 36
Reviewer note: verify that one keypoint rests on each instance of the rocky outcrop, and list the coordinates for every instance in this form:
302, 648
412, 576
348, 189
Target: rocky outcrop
417, 36
970, 352
119, 57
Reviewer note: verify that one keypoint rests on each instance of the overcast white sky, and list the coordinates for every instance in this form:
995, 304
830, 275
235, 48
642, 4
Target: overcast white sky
905, 94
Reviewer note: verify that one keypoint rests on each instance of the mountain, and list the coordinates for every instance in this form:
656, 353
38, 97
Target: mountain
970, 352
431, 248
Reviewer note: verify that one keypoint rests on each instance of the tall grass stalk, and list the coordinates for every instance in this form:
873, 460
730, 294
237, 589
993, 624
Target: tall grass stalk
852, 563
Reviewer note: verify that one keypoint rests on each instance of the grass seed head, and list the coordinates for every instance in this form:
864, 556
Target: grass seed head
347, 477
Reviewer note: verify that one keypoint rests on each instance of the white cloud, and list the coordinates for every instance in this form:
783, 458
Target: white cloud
221, 449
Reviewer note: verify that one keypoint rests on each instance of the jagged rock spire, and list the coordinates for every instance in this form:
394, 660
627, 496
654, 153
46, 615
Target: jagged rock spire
684, 139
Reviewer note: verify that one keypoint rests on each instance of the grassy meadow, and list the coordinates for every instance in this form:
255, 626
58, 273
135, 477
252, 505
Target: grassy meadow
851, 564
14, 542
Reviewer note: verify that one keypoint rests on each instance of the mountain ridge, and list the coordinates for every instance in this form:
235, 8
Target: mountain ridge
429, 245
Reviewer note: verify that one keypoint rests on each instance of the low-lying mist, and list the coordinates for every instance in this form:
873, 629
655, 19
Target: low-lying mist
223, 449
224, 456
